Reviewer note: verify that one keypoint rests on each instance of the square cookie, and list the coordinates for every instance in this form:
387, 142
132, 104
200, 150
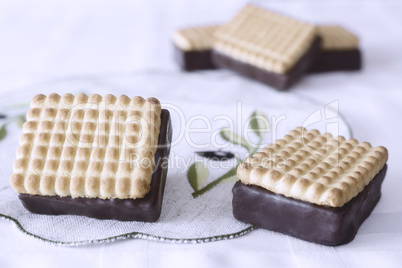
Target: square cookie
102, 157
339, 50
266, 46
193, 47
311, 186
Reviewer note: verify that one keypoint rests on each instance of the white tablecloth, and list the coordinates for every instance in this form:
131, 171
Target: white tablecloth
41, 41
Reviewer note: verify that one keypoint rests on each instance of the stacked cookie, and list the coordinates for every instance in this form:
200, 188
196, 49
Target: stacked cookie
268, 47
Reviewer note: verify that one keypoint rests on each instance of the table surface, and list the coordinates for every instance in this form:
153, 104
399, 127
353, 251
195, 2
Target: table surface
42, 41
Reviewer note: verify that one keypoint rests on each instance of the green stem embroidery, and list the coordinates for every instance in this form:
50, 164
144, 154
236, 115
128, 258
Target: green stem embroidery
230, 173
255, 120
212, 184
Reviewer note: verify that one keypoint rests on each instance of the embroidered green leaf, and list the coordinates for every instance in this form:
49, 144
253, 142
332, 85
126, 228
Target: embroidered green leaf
259, 123
197, 174
231, 137
3, 132
20, 120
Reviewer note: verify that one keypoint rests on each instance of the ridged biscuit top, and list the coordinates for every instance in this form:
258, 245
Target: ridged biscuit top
314, 167
265, 39
88, 146
196, 38
337, 38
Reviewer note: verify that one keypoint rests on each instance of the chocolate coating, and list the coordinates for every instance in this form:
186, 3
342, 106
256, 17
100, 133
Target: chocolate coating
194, 60
275, 80
142, 209
342, 60
324, 225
